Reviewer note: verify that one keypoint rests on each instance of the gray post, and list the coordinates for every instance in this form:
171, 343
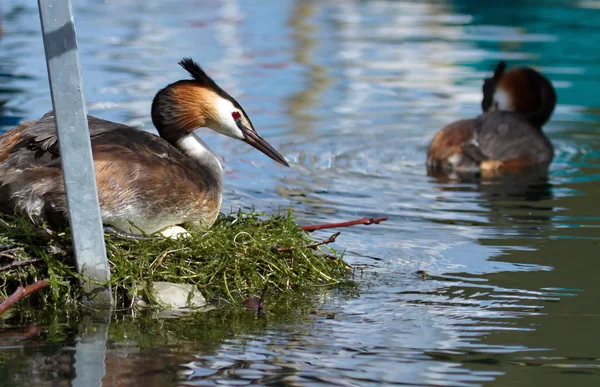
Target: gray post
90, 351
66, 87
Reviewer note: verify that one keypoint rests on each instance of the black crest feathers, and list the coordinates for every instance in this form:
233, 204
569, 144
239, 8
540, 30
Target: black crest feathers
500, 67
198, 74
489, 85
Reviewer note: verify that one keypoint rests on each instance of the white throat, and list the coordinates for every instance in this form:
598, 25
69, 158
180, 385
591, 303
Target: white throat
503, 100
193, 147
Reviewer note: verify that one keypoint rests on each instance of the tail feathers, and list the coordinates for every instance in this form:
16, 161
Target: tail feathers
37, 193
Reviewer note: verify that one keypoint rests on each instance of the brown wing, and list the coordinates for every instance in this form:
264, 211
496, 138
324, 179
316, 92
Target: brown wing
36, 144
492, 143
10, 139
449, 141
125, 175
508, 138
133, 168
123, 152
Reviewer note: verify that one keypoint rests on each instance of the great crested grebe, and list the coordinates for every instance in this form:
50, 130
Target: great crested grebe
155, 183
508, 136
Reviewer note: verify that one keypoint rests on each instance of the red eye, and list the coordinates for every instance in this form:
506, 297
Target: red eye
236, 115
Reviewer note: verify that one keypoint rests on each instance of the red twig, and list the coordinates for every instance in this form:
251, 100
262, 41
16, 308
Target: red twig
313, 246
20, 293
344, 224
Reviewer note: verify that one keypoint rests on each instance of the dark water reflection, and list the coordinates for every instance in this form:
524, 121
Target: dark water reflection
352, 91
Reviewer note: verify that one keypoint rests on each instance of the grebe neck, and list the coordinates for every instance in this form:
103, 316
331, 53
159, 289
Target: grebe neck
193, 147
176, 121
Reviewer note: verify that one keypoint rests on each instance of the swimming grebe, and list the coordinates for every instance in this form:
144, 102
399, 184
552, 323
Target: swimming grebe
508, 136
154, 183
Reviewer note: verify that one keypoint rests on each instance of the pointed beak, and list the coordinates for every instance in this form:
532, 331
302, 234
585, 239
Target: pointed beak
252, 138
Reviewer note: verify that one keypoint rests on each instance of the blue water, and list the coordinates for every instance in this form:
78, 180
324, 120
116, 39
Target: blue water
352, 92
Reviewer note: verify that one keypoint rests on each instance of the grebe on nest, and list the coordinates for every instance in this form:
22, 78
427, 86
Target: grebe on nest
155, 183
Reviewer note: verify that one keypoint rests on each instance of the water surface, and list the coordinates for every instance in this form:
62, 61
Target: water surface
351, 92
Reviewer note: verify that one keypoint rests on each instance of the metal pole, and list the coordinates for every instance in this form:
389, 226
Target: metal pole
90, 351
70, 112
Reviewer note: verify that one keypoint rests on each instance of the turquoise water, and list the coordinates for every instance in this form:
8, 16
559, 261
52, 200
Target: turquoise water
351, 92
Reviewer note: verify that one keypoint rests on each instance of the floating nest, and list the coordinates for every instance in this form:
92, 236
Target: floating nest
242, 255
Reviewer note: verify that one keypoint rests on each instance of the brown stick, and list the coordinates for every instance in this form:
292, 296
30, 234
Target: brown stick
313, 246
21, 293
331, 239
20, 263
344, 224
6, 253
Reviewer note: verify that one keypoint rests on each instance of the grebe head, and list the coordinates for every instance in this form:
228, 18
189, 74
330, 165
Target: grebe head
184, 106
522, 90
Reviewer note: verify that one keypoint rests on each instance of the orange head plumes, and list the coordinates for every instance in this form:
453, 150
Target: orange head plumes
522, 90
186, 105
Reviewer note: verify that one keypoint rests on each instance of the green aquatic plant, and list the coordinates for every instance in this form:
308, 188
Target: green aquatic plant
241, 255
